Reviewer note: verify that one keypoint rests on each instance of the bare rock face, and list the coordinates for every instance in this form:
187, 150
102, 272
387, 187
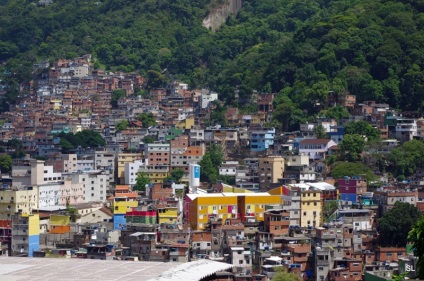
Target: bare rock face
219, 15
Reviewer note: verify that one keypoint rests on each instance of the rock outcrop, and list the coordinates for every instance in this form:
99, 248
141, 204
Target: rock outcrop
219, 15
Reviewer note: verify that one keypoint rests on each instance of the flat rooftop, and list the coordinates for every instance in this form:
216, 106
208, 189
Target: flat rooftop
53, 269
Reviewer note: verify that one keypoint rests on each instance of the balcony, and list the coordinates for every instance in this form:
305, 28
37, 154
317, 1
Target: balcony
322, 262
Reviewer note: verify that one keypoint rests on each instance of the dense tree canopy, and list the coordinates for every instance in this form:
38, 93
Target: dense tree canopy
404, 160
350, 169
85, 138
416, 236
299, 49
147, 119
363, 128
395, 224
5, 163
141, 181
351, 147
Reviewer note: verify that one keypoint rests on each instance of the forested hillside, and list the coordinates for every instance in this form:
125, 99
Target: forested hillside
300, 49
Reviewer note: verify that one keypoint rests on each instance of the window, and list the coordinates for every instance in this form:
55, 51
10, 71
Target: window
240, 261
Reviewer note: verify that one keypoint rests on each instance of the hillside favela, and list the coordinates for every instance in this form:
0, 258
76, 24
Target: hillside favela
255, 140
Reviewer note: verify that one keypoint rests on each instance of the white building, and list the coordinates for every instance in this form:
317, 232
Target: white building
406, 129
94, 183
241, 259
105, 161
206, 98
228, 168
85, 165
316, 149
131, 170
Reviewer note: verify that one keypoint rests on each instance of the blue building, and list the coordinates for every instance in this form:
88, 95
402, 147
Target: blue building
261, 139
336, 133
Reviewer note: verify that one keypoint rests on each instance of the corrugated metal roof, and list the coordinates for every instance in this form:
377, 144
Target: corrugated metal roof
193, 271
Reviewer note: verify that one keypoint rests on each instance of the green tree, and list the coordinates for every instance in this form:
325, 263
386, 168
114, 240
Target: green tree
337, 112
217, 116
351, 147
5, 163
288, 115
89, 138
328, 209
116, 95
349, 169
149, 139
395, 224
363, 128
121, 125
208, 172
416, 237
140, 182
320, 132
147, 119
283, 275
66, 145
216, 154
177, 174
404, 160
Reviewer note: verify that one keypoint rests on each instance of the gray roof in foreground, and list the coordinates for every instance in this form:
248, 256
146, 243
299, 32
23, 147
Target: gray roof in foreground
193, 271
53, 269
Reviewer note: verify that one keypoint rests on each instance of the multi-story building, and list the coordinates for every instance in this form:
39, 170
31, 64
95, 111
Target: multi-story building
131, 171
261, 139
252, 205
123, 201
351, 188
156, 173
241, 258
206, 98
406, 129
277, 222
123, 160
60, 194
387, 198
290, 198
95, 184
167, 214
311, 208
316, 149
271, 171
14, 200
105, 161
157, 154
199, 208
25, 234
141, 216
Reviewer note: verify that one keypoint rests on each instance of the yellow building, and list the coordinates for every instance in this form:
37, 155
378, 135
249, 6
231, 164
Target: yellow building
16, 200
233, 189
167, 215
124, 200
156, 174
186, 124
201, 207
252, 205
124, 158
310, 208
